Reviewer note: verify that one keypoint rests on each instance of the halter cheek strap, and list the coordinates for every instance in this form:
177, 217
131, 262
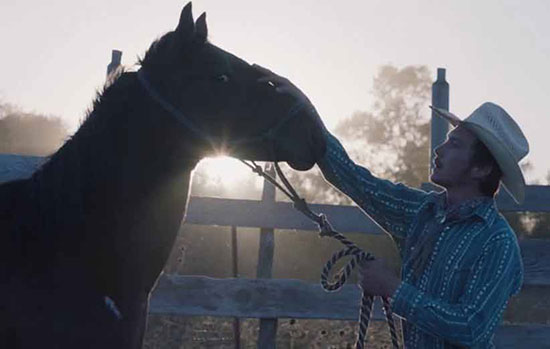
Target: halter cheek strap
169, 107
268, 135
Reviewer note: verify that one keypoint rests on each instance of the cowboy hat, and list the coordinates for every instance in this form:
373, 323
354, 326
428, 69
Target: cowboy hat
502, 136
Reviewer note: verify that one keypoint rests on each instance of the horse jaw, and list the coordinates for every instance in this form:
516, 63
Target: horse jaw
317, 149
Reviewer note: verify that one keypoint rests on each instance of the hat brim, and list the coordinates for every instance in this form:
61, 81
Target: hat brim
447, 115
512, 177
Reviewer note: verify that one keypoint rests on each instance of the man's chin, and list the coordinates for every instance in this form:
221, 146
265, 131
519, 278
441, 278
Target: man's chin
436, 180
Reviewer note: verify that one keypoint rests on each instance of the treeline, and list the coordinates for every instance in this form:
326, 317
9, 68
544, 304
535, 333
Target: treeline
27, 133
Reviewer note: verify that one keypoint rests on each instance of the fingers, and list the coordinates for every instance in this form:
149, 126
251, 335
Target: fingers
281, 84
367, 264
275, 79
262, 69
363, 264
284, 89
270, 76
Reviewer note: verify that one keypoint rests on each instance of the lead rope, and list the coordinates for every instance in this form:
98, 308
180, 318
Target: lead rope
341, 277
357, 256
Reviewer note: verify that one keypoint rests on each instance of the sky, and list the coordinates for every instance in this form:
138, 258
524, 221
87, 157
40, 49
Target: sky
55, 52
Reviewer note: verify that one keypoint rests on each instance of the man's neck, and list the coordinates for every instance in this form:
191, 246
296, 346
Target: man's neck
457, 195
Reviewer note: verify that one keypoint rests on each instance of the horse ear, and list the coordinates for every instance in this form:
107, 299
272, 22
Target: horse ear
186, 25
201, 28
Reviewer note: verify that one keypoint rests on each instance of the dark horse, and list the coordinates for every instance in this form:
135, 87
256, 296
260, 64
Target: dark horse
84, 240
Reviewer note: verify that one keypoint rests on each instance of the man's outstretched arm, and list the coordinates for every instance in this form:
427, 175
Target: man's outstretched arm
393, 206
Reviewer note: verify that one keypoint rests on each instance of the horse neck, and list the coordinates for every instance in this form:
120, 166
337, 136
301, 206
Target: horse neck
122, 184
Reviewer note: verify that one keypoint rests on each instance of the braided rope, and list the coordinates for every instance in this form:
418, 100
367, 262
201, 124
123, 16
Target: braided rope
351, 249
342, 275
390, 322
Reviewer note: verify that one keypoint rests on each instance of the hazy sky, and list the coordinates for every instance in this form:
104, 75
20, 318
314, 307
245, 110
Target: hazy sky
55, 52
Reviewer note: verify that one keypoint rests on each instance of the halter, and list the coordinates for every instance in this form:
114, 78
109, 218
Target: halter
299, 204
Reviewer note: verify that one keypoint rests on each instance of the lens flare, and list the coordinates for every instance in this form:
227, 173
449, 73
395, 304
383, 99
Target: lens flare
224, 170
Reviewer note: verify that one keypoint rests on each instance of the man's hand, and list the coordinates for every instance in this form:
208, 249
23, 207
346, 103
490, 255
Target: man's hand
283, 85
376, 279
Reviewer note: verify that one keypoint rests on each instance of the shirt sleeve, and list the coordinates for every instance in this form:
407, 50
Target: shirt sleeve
392, 206
496, 276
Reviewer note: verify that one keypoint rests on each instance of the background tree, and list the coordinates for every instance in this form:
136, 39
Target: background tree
391, 139
29, 133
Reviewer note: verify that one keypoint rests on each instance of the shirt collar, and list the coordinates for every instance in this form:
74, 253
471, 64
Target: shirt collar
482, 207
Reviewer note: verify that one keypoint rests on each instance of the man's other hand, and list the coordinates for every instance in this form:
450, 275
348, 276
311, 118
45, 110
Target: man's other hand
377, 279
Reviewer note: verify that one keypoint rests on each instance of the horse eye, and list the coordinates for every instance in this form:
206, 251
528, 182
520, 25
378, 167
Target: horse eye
222, 78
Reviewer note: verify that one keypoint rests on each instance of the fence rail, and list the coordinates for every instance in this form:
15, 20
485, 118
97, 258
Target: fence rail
284, 298
254, 298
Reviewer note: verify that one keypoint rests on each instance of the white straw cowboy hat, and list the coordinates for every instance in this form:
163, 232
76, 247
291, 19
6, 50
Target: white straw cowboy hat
502, 136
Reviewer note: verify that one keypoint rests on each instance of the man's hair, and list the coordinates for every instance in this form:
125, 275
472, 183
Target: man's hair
481, 156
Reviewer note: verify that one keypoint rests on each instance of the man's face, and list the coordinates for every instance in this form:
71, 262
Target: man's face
452, 162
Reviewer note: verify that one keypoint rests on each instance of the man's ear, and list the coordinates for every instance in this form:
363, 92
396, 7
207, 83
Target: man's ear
480, 172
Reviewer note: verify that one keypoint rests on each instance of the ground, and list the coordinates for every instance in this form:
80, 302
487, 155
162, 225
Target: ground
175, 332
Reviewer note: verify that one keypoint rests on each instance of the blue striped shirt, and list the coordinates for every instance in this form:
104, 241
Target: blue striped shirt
473, 267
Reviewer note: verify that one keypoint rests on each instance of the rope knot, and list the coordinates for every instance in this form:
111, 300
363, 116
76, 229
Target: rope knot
258, 170
325, 229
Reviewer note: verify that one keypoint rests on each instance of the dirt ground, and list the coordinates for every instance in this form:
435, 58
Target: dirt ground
209, 332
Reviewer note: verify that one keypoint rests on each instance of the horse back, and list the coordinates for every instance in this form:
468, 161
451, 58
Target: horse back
13, 197
10, 196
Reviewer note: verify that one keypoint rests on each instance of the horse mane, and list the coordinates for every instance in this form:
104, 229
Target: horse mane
158, 46
103, 116
98, 117
93, 122
152, 53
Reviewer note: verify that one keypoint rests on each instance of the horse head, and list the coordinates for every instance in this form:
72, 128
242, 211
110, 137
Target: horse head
217, 98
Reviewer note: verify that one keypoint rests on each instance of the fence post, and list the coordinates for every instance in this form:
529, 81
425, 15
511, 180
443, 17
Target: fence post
440, 99
268, 327
116, 57
235, 263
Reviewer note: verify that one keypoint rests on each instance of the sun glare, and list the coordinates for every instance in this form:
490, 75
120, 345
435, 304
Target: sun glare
225, 170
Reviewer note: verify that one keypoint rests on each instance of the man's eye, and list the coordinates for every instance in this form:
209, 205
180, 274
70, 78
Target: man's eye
222, 78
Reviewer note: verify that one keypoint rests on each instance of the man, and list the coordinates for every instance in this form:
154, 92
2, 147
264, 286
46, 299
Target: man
461, 260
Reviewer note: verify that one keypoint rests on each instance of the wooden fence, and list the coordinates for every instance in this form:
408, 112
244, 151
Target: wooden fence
271, 299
